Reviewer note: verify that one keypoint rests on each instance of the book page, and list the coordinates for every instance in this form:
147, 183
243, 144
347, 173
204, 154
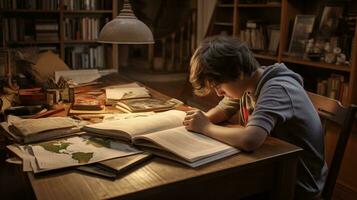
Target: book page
123, 116
139, 125
126, 93
127, 85
78, 76
187, 145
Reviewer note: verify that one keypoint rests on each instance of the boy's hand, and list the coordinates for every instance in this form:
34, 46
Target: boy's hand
196, 121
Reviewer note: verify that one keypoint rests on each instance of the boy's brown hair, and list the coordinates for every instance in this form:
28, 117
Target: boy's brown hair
220, 59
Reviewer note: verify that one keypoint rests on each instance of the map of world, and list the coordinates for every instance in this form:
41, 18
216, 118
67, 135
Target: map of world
78, 151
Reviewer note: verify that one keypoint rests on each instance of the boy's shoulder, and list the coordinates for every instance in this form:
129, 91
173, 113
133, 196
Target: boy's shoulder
283, 82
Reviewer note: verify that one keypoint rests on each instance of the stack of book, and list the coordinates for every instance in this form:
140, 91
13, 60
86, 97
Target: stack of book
134, 98
46, 30
56, 142
26, 131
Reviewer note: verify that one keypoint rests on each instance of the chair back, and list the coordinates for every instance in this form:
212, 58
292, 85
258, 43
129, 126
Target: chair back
331, 110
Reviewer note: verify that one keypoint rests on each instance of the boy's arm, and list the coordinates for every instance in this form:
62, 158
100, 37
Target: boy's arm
216, 115
224, 110
248, 138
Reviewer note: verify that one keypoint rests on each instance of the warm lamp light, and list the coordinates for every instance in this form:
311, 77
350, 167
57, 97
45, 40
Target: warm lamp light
126, 29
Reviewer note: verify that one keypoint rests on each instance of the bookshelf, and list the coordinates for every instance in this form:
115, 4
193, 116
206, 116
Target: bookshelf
242, 18
69, 27
224, 18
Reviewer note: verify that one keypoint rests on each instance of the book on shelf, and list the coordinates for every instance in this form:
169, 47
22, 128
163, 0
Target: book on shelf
46, 30
334, 87
273, 33
144, 105
255, 35
164, 135
116, 167
33, 130
86, 57
87, 5
84, 28
30, 4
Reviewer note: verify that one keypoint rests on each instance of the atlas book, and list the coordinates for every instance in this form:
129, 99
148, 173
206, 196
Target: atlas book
163, 134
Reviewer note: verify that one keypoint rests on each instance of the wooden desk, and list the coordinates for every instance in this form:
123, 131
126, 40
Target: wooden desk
270, 168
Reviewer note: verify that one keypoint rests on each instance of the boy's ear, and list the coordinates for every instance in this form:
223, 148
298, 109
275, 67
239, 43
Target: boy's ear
241, 76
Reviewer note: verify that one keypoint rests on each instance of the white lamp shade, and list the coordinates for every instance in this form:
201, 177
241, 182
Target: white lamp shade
126, 29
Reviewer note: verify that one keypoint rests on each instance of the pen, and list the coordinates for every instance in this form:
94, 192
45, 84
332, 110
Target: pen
47, 113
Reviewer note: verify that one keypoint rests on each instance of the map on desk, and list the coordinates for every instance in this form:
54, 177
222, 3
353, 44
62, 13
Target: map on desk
76, 151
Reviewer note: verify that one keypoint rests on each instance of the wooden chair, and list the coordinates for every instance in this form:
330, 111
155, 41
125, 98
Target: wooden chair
331, 110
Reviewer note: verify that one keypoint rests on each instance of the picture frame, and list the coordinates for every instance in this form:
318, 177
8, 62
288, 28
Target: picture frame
303, 27
329, 21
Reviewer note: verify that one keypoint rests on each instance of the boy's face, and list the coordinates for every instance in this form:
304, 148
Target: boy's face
232, 89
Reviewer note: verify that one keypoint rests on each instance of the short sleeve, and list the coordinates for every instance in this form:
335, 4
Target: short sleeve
273, 106
229, 106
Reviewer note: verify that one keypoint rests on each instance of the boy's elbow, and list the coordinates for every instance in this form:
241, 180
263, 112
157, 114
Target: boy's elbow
252, 139
249, 145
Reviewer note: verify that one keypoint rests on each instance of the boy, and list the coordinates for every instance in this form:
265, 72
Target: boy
282, 108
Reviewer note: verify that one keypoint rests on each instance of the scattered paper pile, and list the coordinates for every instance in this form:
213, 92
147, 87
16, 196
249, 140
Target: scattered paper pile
126, 91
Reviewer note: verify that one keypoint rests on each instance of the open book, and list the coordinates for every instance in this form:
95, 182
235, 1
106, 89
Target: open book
164, 135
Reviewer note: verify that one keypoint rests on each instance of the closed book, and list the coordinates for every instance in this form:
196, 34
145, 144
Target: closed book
116, 167
87, 102
144, 105
26, 131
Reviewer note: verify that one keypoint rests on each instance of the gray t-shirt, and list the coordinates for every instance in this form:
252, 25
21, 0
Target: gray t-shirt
284, 110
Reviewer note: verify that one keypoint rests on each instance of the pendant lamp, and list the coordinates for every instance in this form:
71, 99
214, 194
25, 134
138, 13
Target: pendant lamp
126, 29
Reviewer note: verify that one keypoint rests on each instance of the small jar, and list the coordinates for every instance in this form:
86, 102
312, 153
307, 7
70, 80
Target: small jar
50, 98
